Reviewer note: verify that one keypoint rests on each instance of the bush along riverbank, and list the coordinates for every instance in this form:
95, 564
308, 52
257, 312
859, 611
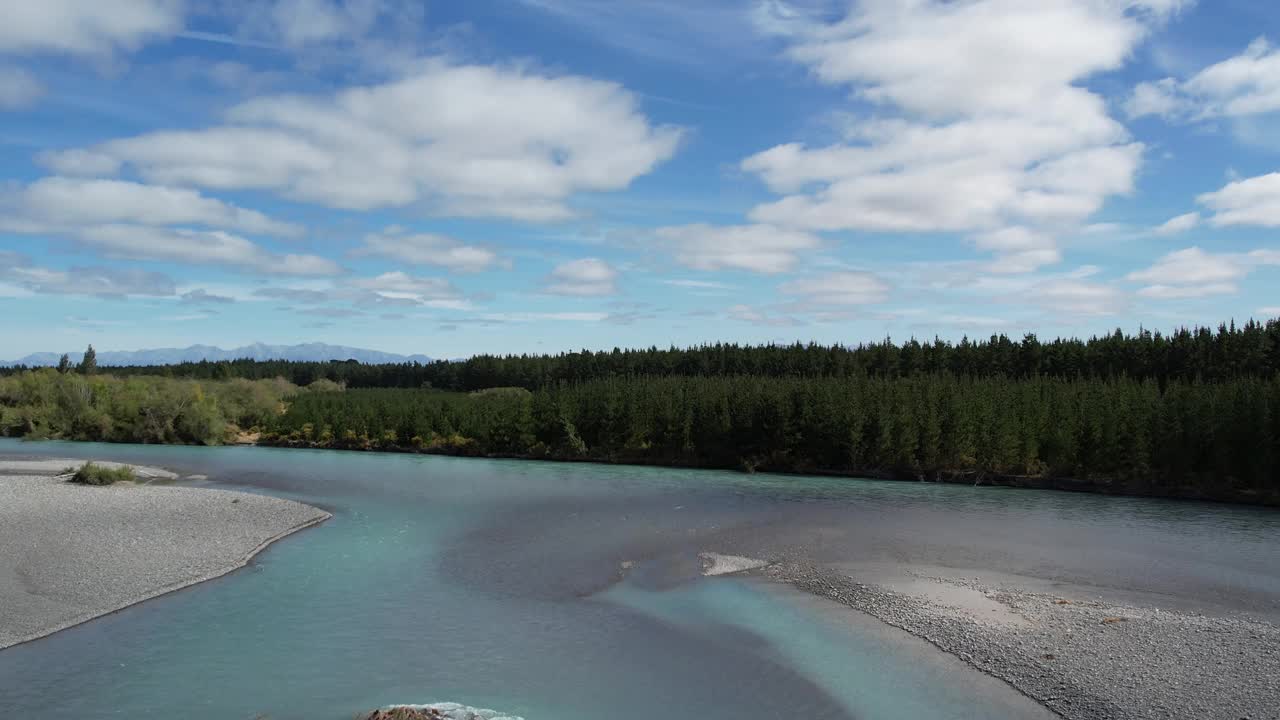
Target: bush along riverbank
1195, 440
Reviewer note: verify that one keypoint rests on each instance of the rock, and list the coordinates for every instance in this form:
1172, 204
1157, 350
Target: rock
436, 711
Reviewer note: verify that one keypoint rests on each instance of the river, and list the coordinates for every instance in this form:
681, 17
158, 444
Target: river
501, 584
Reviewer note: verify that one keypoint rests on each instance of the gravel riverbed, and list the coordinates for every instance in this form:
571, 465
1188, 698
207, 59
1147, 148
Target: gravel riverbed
72, 552
1084, 659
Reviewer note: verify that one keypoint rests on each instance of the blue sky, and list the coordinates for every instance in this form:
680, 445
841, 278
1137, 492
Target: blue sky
453, 178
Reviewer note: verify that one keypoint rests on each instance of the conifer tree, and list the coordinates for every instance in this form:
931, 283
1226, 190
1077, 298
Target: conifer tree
88, 364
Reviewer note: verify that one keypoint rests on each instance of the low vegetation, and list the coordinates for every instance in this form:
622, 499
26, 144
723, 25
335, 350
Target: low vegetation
91, 474
45, 403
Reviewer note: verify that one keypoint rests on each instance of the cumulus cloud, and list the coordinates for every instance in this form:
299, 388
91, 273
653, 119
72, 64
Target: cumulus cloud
1252, 201
985, 123
1018, 249
698, 284
585, 277
1156, 98
1190, 266
55, 204
465, 140
135, 242
763, 317
295, 295
428, 249
96, 27
200, 296
401, 284
91, 281
18, 88
1179, 224
839, 288
299, 23
1193, 272
1076, 296
1175, 292
755, 248
1247, 84
526, 317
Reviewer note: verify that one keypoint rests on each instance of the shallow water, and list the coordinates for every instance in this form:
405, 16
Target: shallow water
498, 584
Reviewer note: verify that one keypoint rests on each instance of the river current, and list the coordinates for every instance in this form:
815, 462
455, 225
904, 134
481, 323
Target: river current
572, 592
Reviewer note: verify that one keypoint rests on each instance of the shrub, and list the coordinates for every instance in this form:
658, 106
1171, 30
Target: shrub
326, 385
90, 474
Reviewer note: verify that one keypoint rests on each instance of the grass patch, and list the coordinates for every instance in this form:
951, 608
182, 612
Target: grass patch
90, 474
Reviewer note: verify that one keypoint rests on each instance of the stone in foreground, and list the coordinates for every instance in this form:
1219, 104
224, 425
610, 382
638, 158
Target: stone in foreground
436, 711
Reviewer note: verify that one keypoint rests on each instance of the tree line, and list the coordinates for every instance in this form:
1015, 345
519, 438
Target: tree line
1229, 352
1193, 413
1218, 440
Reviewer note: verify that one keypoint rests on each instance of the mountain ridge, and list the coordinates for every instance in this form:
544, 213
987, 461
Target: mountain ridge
303, 352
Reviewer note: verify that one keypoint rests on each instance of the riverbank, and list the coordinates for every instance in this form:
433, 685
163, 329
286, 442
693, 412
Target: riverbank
74, 553
1096, 486
1083, 657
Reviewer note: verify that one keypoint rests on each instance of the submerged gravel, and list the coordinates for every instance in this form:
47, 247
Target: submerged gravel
73, 552
1084, 659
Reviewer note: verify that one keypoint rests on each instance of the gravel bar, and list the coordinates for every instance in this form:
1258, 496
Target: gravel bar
72, 553
1084, 659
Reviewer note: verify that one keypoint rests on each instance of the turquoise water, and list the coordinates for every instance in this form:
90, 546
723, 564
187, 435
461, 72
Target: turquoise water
496, 584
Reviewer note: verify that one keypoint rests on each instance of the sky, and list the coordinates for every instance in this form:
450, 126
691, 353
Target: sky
511, 176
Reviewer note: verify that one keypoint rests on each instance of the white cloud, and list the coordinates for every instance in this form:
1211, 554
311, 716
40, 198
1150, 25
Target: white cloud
1018, 250
523, 317
1174, 292
402, 284
757, 316
1247, 84
1272, 312
1156, 98
1193, 273
757, 248
1253, 201
1179, 224
838, 288
463, 140
60, 204
200, 296
1078, 297
1263, 257
1191, 266
79, 162
992, 126
296, 23
96, 27
89, 281
135, 242
428, 249
18, 88
698, 284
585, 277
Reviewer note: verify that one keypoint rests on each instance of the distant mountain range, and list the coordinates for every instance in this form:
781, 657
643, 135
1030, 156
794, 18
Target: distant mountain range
307, 352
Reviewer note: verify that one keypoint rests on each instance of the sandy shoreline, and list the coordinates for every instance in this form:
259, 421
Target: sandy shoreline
74, 553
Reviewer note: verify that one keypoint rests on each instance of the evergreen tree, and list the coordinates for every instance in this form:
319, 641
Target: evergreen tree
64, 364
89, 364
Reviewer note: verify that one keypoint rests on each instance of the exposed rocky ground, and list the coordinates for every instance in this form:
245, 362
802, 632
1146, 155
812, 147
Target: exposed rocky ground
1084, 659
437, 711
74, 552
